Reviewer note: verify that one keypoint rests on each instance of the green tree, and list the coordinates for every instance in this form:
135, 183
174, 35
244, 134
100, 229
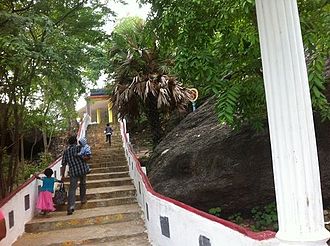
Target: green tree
142, 83
48, 50
216, 48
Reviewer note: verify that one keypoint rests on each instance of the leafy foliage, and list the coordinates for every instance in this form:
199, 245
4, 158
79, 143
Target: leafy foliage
236, 218
315, 21
215, 211
48, 50
260, 218
31, 168
216, 48
265, 218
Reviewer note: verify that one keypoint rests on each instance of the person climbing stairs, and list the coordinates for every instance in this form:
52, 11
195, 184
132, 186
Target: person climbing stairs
111, 215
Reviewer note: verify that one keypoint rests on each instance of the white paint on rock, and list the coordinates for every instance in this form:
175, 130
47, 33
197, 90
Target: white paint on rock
164, 152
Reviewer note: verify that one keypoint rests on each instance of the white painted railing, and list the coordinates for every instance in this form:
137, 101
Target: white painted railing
19, 206
170, 222
83, 127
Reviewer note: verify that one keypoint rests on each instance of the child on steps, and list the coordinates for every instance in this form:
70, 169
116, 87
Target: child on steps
45, 198
85, 151
108, 133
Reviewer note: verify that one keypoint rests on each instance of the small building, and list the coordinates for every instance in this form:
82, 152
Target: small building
98, 107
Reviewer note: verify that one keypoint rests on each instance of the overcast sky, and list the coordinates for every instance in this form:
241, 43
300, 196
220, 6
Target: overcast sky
130, 9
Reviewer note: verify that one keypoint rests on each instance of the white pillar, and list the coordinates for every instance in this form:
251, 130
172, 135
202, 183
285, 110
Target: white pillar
294, 153
125, 126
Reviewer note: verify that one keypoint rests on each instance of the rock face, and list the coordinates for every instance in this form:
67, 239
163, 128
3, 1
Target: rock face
205, 164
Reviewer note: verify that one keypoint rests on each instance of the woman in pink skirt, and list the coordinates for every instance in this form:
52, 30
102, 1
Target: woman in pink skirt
45, 198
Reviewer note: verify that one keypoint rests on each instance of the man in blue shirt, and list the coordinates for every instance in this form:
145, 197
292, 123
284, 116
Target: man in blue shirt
77, 171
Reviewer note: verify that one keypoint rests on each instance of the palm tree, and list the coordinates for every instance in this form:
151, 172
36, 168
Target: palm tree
141, 79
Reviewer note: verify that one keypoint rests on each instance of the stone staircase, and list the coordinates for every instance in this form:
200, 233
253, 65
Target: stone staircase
110, 217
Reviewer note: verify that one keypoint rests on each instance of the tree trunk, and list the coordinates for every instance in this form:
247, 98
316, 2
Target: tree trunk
15, 150
34, 143
154, 119
44, 138
3, 186
6, 114
50, 137
22, 150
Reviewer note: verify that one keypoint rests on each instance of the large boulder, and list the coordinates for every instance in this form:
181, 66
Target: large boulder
205, 164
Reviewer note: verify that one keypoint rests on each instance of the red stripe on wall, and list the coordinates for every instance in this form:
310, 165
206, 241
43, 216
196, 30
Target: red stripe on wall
264, 235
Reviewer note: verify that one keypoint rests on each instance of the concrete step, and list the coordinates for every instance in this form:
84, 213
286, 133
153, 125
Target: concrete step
107, 153
100, 203
108, 159
98, 176
123, 234
81, 218
108, 169
99, 134
106, 164
103, 145
100, 129
100, 138
111, 156
109, 192
138, 240
105, 182
116, 143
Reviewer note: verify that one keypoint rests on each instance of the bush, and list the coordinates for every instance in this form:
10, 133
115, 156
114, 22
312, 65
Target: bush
260, 219
236, 218
45, 159
215, 211
265, 218
30, 168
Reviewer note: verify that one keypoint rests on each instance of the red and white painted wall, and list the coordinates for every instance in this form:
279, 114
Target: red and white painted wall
19, 207
170, 222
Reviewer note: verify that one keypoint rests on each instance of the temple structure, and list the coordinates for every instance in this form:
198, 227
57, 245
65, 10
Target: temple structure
98, 106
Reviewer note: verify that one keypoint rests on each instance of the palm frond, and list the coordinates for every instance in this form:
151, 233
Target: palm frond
163, 99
